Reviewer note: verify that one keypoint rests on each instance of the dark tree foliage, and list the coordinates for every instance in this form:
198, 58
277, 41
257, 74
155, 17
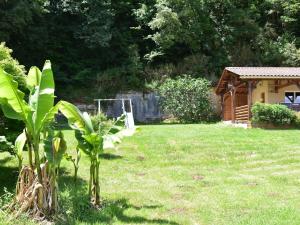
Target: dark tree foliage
102, 47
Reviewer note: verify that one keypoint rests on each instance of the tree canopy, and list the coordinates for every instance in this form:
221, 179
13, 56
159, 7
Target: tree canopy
108, 46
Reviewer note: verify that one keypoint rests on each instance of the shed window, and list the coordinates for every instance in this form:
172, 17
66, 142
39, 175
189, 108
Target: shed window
297, 97
263, 98
292, 97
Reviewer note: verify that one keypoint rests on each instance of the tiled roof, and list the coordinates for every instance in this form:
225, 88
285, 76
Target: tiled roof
262, 72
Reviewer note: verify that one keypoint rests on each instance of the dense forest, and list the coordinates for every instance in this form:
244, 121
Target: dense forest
100, 47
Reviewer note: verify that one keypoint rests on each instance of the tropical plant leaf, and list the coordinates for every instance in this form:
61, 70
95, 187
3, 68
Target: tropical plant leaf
14, 99
88, 121
55, 148
94, 139
8, 111
118, 125
69, 157
83, 145
50, 115
75, 118
42, 99
19, 144
33, 78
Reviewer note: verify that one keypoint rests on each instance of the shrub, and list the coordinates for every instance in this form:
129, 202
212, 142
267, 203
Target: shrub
11, 66
273, 114
186, 98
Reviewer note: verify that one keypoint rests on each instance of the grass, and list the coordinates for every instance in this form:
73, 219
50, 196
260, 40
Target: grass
185, 174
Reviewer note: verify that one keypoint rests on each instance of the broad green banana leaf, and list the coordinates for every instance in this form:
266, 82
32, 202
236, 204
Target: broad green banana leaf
8, 111
42, 99
75, 118
50, 115
19, 144
55, 148
33, 78
14, 103
83, 145
88, 121
95, 140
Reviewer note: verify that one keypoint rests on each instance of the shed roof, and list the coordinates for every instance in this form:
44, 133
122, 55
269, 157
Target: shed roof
265, 72
257, 73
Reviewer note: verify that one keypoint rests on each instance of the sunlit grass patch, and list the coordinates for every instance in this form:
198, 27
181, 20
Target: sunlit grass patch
186, 174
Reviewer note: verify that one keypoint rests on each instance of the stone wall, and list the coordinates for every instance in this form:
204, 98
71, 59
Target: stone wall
145, 106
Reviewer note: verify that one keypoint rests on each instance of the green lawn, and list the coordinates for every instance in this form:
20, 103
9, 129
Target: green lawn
185, 174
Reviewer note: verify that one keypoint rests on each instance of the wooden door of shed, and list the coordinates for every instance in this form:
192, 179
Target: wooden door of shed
227, 108
241, 99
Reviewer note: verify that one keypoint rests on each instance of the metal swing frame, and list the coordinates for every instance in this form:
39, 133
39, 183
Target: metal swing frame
129, 121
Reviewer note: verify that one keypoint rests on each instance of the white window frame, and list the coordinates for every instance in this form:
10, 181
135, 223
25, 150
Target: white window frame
294, 97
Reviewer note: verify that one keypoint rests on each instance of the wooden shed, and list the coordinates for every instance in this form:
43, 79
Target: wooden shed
240, 87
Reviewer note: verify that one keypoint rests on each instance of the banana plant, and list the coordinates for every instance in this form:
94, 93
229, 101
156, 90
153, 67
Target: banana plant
91, 141
74, 160
55, 147
36, 114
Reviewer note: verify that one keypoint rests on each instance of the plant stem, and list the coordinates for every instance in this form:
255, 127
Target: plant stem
29, 145
37, 160
54, 204
97, 184
75, 174
20, 163
91, 179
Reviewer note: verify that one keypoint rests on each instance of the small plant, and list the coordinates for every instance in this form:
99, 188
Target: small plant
94, 133
55, 147
274, 114
75, 161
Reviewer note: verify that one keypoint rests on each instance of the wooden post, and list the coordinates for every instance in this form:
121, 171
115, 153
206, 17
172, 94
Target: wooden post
222, 105
249, 98
233, 104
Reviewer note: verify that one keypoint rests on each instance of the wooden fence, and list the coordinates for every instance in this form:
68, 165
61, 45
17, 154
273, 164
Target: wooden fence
242, 113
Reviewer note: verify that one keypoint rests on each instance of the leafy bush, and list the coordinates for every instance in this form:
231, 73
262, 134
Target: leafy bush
11, 66
273, 114
186, 98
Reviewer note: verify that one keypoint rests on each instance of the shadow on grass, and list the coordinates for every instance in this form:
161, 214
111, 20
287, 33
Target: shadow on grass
8, 175
76, 208
109, 156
